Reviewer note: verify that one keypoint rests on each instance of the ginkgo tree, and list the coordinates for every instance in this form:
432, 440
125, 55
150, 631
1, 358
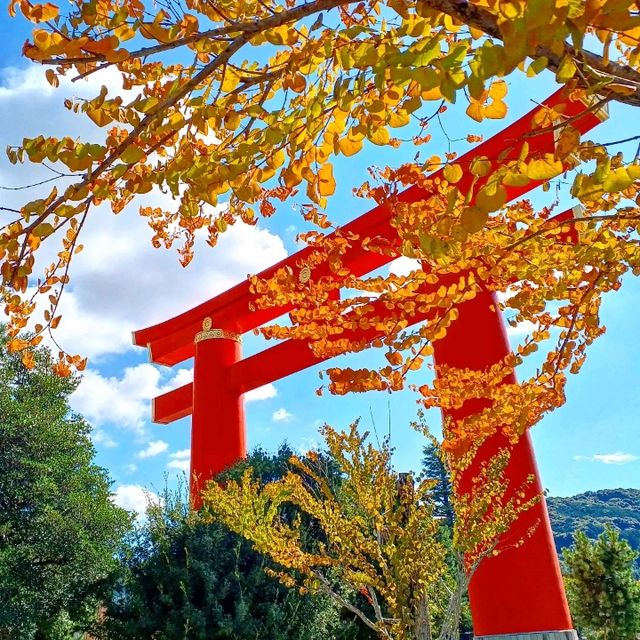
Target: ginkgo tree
234, 107
378, 534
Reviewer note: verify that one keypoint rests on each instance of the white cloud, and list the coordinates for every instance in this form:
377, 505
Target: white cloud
281, 415
180, 465
125, 402
609, 458
16, 84
261, 393
180, 460
101, 437
120, 401
180, 378
308, 444
154, 448
131, 468
111, 294
133, 497
119, 283
525, 327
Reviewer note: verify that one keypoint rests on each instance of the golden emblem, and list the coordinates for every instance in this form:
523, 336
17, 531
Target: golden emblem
208, 333
305, 274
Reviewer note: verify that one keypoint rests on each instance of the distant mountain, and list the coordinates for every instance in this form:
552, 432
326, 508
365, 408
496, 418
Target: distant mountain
590, 511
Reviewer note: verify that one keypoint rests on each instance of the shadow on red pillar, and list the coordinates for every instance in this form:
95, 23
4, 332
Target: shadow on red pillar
217, 428
520, 590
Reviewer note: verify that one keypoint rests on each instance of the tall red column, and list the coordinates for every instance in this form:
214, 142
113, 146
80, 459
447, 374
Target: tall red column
519, 591
217, 426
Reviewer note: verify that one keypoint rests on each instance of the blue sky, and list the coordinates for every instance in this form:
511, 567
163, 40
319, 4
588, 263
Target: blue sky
120, 284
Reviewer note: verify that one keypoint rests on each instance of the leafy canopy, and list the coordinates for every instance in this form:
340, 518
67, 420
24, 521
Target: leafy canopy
232, 107
59, 529
181, 576
603, 593
380, 535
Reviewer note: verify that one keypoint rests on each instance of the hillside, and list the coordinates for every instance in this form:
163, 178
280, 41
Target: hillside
590, 511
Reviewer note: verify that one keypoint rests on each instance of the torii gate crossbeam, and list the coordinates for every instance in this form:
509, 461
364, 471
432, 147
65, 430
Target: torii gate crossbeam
520, 591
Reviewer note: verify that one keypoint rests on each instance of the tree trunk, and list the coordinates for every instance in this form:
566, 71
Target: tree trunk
422, 624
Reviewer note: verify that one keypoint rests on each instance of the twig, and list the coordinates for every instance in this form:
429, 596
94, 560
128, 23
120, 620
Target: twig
561, 223
608, 144
35, 184
346, 604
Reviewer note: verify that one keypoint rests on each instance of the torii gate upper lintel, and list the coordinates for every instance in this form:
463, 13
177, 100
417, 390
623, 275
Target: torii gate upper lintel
516, 592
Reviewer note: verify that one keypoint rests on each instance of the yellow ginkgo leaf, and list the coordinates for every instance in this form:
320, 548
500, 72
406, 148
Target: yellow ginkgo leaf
491, 197
473, 219
567, 142
326, 181
452, 173
349, 146
475, 110
496, 110
480, 166
498, 90
398, 118
617, 180
44, 12
379, 136
545, 168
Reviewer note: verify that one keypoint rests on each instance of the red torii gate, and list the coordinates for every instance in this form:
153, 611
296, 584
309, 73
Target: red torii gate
520, 591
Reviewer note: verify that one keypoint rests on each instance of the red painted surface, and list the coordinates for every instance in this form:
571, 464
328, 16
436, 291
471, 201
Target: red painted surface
218, 430
171, 342
520, 590
517, 591
291, 356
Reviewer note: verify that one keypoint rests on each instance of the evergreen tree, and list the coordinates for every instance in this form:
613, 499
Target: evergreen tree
434, 468
183, 578
604, 596
59, 529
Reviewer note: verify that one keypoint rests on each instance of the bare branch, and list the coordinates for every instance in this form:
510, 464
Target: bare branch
35, 184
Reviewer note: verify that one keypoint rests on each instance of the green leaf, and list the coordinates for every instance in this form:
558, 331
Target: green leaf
566, 70
132, 155
538, 65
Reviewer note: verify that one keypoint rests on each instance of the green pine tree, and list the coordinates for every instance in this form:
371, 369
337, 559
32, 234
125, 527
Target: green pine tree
603, 594
184, 579
433, 467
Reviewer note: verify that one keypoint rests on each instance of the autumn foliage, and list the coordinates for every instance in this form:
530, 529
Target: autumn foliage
377, 532
235, 107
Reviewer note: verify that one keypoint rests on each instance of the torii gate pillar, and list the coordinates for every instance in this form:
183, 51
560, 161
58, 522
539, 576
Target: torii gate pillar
217, 429
518, 594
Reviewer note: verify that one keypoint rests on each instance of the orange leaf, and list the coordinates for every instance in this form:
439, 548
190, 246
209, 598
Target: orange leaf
43, 12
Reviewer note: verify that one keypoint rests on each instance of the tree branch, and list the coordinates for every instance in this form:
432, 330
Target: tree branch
591, 64
326, 587
248, 27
